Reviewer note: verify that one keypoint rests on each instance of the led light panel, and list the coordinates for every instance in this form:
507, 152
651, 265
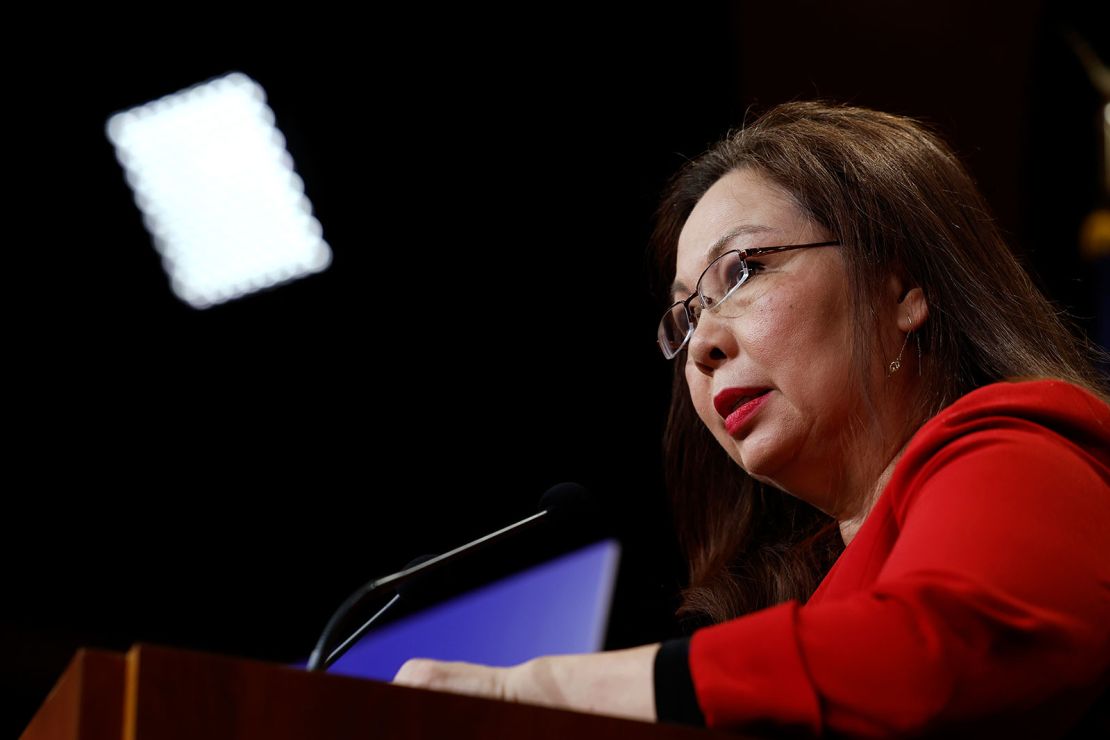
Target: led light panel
217, 189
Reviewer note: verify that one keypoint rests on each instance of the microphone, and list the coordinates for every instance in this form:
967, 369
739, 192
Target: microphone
561, 503
405, 589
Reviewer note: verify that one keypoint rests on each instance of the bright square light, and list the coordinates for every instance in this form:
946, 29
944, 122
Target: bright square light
218, 192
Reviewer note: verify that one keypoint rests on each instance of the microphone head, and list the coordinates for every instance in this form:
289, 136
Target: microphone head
569, 503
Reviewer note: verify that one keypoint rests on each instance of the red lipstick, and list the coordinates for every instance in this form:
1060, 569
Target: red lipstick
737, 405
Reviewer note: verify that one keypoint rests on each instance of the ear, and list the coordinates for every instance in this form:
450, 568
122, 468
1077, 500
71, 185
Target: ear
914, 310
909, 304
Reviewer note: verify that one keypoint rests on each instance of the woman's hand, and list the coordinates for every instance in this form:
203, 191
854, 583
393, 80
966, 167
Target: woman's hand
618, 683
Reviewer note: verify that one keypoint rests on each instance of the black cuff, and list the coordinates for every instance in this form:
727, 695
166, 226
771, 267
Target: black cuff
675, 700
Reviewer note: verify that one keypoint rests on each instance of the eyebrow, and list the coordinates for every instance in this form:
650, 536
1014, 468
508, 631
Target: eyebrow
721, 246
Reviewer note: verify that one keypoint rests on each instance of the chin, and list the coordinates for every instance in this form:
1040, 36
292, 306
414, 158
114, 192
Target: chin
762, 458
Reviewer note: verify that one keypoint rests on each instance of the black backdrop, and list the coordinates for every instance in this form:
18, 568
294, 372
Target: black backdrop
221, 479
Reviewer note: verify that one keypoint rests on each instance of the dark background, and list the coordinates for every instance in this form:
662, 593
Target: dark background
220, 480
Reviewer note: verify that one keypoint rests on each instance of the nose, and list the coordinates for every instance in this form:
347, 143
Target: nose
712, 343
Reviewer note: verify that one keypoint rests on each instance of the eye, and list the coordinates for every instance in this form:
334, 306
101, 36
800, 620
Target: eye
720, 278
755, 267
735, 273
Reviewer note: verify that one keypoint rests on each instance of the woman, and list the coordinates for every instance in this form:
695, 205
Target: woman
850, 329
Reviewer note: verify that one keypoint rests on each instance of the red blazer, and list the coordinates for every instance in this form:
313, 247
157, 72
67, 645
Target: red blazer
974, 598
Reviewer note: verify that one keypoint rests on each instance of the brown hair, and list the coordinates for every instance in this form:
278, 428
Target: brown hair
900, 203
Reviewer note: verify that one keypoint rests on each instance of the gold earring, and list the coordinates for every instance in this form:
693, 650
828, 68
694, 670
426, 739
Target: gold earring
896, 363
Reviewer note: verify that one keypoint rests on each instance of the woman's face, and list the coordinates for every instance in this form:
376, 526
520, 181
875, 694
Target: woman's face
770, 369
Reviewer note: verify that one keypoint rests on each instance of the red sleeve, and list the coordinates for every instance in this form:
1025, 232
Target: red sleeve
993, 601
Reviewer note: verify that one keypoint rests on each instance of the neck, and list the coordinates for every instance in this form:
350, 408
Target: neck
850, 524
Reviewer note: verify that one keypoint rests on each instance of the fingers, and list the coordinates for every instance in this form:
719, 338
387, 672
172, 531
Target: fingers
459, 678
419, 672
617, 683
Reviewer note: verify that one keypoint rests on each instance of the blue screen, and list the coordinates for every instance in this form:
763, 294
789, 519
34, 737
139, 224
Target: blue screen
561, 606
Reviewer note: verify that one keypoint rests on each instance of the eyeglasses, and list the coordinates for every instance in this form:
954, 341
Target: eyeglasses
719, 281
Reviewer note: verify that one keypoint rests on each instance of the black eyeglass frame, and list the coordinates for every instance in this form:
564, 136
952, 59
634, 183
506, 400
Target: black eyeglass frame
691, 320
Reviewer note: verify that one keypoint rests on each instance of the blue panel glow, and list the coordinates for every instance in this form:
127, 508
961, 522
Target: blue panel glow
559, 607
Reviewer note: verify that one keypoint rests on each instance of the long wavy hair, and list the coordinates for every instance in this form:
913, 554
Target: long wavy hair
900, 202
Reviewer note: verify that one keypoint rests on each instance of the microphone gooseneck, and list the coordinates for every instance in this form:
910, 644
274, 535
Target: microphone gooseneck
404, 590
560, 502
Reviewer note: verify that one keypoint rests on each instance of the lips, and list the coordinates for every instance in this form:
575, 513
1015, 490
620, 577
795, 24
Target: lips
737, 405
729, 399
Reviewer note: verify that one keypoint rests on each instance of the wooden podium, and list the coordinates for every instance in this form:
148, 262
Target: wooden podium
157, 693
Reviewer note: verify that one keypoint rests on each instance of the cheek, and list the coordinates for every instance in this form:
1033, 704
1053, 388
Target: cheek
824, 339
801, 340
772, 329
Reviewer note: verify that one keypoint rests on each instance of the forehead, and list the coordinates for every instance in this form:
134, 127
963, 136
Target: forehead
745, 205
